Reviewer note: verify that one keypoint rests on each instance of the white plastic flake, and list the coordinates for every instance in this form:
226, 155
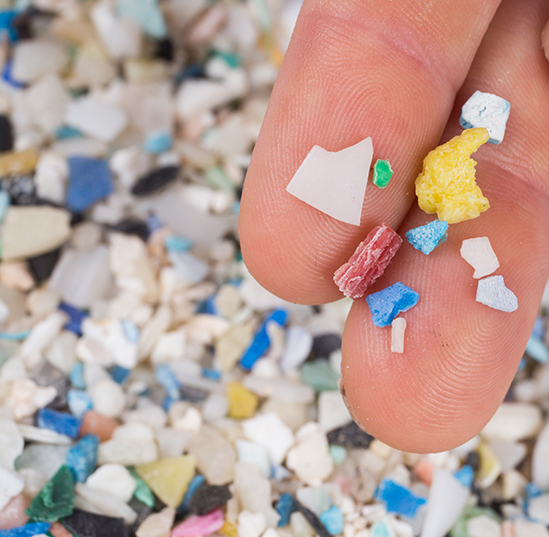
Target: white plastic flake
486, 110
478, 252
334, 182
493, 293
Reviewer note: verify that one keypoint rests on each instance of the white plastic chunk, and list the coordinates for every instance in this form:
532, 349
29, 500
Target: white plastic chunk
486, 110
335, 182
492, 292
398, 327
479, 254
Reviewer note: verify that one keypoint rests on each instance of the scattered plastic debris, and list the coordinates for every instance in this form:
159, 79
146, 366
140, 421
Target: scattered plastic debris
382, 173
446, 185
478, 252
426, 238
368, 262
486, 110
492, 292
334, 182
386, 304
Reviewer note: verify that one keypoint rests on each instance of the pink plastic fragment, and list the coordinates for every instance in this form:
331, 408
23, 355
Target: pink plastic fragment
368, 262
195, 526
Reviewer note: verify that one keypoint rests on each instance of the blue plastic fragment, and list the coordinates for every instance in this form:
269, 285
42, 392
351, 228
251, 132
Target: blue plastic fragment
77, 376
4, 203
167, 379
154, 223
79, 402
7, 76
285, 506
146, 14
66, 133
76, 317
212, 374
386, 304
60, 422
176, 243
28, 530
398, 499
90, 180
261, 342
426, 238
531, 490
119, 374
537, 349
82, 457
465, 475
381, 529
207, 307
280, 473
6, 18
158, 142
194, 485
538, 329
131, 331
332, 519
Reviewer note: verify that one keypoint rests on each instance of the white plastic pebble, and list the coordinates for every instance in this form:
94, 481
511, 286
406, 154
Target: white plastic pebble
299, 342
538, 508
127, 452
26, 397
254, 492
540, 459
105, 503
281, 389
310, 458
447, 498
317, 499
526, 528
11, 484
33, 58
478, 252
32, 230
113, 479
486, 110
514, 421
96, 118
50, 178
334, 182
157, 524
332, 412
483, 526
492, 292
269, 431
45, 436
301, 528
255, 454
250, 524
398, 327
510, 454
43, 334
108, 398
188, 267
172, 442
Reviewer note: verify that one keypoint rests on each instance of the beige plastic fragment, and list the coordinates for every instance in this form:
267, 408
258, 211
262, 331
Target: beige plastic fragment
398, 327
334, 182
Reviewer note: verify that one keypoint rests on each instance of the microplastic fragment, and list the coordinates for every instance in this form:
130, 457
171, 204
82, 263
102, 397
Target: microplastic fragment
334, 182
446, 185
398, 498
492, 292
426, 238
486, 110
398, 327
478, 252
368, 262
382, 173
386, 304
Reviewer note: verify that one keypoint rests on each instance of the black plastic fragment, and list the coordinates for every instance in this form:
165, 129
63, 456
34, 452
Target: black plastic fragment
133, 226
84, 524
350, 436
48, 375
155, 180
42, 265
208, 497
192, 394
313, 520
6, 134
325, 344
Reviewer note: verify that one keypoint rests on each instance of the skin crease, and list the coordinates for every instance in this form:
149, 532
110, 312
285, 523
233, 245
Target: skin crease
460, 356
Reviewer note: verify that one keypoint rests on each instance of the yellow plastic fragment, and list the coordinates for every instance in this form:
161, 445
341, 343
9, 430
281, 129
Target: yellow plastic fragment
447, 185
228, 529
242, 402
489, 466
169, 478
18, 162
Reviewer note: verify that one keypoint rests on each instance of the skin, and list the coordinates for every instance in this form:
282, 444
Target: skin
399, 72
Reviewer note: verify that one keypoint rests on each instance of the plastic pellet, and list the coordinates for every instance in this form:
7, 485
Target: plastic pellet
398, 326
382, 173
368, 262
426, 238
446, 185
486, 110
386, 304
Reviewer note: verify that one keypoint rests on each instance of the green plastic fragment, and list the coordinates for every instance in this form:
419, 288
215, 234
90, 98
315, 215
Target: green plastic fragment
382, 173
55, 500
338, 454
216, 178
142, 492
460, 527
319, 375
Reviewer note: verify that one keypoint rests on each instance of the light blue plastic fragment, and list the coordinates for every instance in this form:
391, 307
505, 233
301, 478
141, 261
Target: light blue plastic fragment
285, 506
194, 485
261, 341
398, 498
77, 376
176, 243
255, 454
131, 332
82, 457
486, 110
426, 238
386, 304
465, 475
332, 519
381, 529
537, 349
4, 203
158, 142
338, 453
188, 267
538, 329
79, 402
119, 374
146, 14
166, 377
14, 336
